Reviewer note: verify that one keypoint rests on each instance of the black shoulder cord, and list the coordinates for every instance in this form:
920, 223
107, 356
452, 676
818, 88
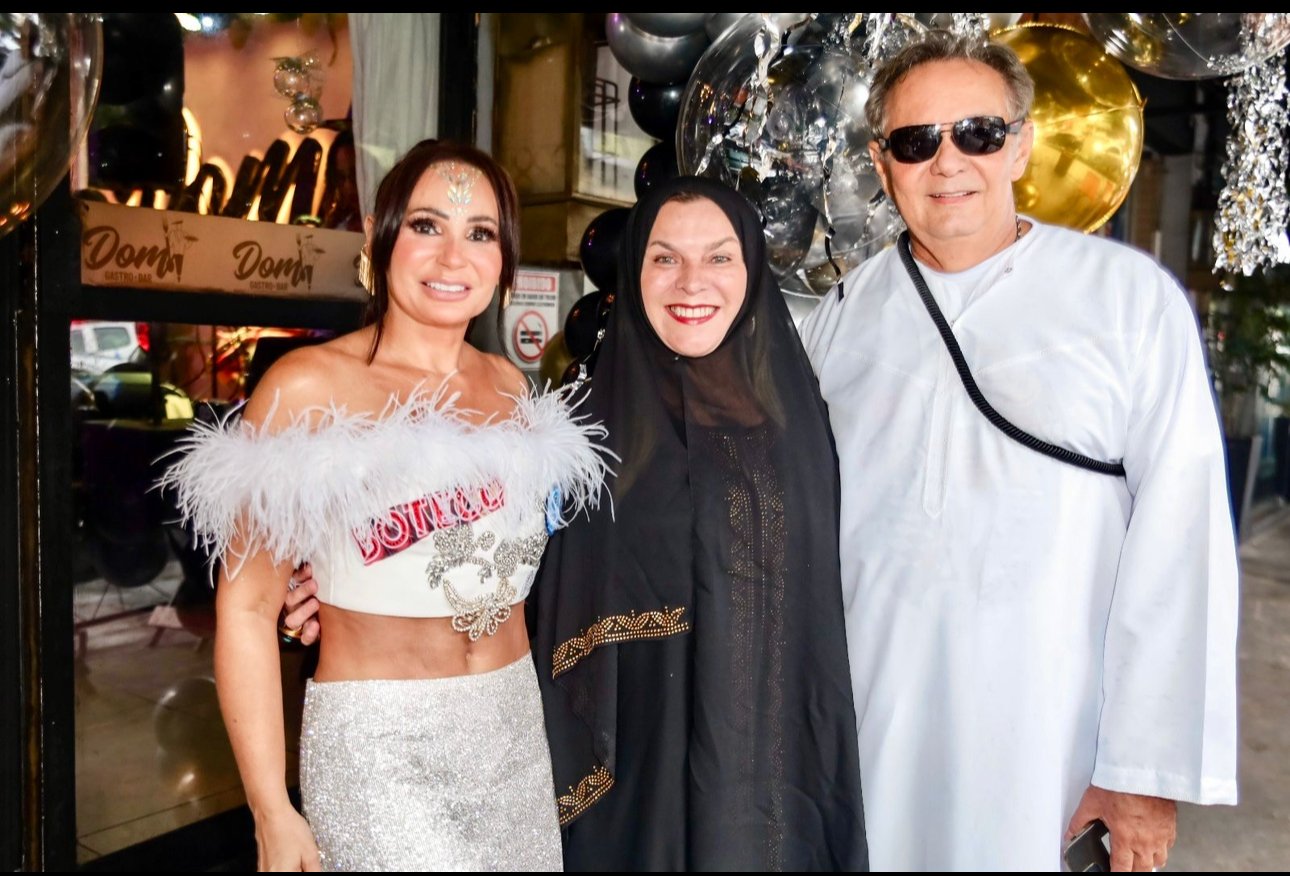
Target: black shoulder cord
974, 392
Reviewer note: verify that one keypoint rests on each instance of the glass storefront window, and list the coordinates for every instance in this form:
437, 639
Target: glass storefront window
238, 115
611, 143
151, 750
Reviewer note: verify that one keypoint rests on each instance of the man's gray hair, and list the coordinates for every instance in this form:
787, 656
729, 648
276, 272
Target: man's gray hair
941, 45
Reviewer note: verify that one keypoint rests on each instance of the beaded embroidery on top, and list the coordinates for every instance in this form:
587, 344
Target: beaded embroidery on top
458, 547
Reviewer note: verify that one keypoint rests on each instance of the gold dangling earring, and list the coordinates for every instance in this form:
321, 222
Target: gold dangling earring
365, 278
505, 300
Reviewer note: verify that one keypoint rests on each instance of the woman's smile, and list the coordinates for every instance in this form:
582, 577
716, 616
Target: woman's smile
692, 314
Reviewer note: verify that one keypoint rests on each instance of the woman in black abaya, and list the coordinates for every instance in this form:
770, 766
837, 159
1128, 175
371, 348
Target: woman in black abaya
690, 642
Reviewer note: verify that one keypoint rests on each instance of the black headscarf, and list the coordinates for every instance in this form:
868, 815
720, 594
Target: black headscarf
716, 572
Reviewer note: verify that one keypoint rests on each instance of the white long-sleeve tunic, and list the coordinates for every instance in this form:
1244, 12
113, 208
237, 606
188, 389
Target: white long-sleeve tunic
1019, 628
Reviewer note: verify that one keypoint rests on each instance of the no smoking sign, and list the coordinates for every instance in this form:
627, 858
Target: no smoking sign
533, 316
529, 336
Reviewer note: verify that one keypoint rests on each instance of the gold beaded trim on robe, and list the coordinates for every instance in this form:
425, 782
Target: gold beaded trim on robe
589, 790
617, 628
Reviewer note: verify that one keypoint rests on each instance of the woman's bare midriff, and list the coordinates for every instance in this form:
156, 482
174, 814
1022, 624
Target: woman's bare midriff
358, 647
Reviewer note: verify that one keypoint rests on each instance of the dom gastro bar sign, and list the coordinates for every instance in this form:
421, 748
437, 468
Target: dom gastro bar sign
139, 247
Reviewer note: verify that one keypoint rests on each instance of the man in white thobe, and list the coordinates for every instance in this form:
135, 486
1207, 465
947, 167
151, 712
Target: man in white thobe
1033, 645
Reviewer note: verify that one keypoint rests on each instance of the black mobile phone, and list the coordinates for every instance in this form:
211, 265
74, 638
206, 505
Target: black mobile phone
1089, 852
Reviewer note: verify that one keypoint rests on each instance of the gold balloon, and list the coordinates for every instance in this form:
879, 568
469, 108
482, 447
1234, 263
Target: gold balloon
556, 359
1088, 127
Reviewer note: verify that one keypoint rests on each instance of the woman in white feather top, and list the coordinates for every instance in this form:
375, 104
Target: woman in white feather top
421, 479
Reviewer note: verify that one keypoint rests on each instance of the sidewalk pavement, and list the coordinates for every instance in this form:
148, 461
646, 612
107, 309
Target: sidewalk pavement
1254, 835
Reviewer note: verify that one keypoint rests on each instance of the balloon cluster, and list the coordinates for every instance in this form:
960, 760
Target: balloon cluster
50, 70
775, 109
300, 81
660, 50
571, 354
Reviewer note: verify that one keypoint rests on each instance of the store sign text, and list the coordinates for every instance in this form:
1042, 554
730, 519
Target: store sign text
104, 247
253, 263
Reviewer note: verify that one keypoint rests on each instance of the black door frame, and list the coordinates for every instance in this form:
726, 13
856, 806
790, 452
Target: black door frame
36, 647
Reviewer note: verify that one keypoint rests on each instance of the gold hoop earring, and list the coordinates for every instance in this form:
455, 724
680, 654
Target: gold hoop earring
365, 278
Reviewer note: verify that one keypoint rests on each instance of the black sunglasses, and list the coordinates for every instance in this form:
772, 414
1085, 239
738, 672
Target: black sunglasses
978, 135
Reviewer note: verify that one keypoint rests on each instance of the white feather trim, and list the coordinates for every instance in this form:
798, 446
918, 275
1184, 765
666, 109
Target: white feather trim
302, 487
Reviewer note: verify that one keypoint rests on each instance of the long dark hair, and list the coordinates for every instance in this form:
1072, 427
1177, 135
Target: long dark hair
392, 203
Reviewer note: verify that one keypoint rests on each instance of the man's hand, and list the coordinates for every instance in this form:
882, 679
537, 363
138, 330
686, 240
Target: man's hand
301, 608
1143, 829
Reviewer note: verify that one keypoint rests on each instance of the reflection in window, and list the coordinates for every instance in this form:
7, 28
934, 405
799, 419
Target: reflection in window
245, 115
151, 751
113, 338
612, 142
99, 345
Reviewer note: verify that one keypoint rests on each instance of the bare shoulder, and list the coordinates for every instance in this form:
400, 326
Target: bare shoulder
506, 377
301, 379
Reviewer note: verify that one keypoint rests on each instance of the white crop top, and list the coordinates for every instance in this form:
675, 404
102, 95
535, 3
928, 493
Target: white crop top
415, 513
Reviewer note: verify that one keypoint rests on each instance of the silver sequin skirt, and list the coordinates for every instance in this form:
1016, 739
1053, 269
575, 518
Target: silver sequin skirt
434, 774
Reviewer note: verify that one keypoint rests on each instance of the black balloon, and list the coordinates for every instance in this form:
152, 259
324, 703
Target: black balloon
667, 24
586, 318
139, 138
141, 51
657, 166
653, 58
655, 108
130, 563
132, 156
598, 251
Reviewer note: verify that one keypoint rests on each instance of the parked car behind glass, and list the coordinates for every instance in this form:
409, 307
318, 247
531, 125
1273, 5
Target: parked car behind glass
98, 345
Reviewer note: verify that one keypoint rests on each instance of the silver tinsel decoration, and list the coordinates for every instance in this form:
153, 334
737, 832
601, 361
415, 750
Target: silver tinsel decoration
1253, 208
1264, 31
874, 43
973, 24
